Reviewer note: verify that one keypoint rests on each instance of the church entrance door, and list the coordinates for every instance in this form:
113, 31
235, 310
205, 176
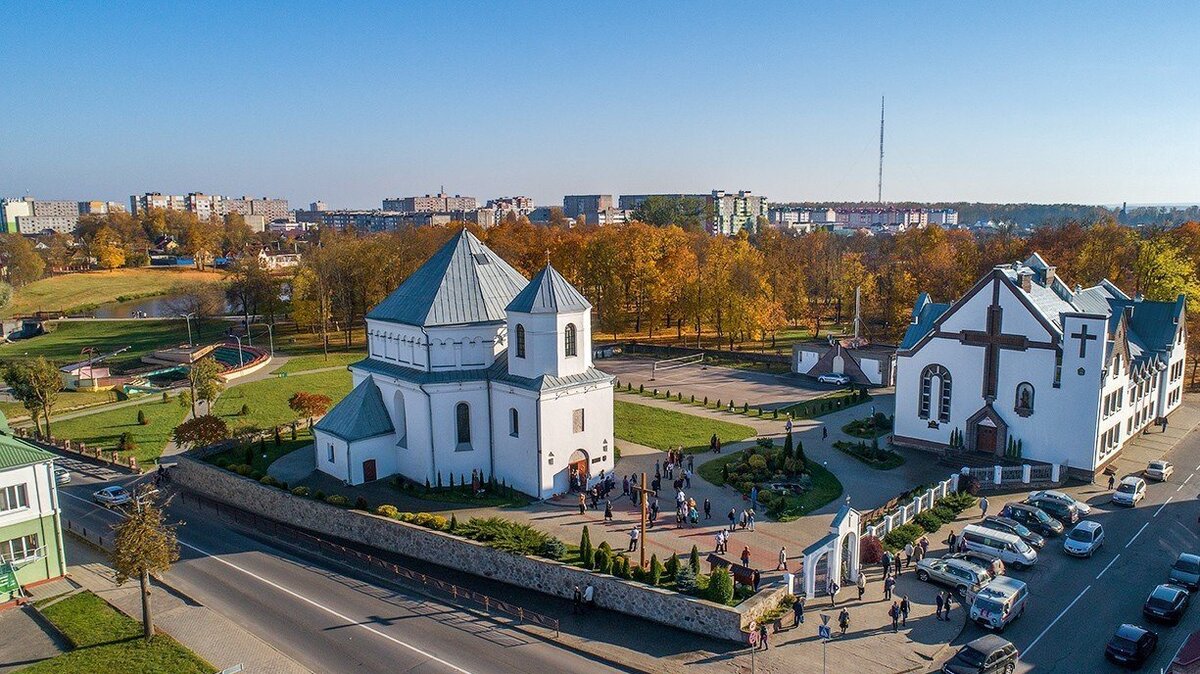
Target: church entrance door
578, 469
985, 439
369, 470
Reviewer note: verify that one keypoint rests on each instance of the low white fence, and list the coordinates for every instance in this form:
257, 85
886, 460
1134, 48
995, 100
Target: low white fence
993, 476
903, 514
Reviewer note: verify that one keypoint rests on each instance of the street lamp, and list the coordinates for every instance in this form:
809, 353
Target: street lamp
188, 318
271, 338
241, 362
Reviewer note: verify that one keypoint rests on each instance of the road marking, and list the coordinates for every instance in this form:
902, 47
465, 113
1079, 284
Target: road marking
1053, 622
306, 600
1114, 559
348, 619
1189, 478
1156, 512
1139, 533
1179, 488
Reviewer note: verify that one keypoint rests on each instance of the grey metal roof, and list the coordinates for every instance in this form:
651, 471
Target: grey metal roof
549, 293
926, 313
498, 371
464, 282
1152, 325
359, 415
546, 382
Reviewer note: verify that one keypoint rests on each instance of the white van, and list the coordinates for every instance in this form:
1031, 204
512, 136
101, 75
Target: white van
999, 603
1009, 548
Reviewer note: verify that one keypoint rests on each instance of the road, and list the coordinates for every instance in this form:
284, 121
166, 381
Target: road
1076, 604
326, 620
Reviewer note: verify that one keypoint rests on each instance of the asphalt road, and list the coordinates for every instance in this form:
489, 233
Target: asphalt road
759, 389
324, 619
1076, 604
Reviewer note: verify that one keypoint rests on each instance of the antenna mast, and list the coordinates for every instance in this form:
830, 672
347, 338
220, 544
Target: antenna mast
879, 196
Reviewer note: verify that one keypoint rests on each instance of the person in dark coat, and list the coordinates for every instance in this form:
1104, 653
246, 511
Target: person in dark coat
905, 607
940, 601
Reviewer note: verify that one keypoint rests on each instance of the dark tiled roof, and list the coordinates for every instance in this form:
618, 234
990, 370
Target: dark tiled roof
549, 293
1152, 325
360, 415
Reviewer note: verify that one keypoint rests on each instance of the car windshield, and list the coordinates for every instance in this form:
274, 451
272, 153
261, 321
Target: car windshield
1126, 488
1082, 535
1186, 566
971, 657
1157, 465
1159, 601
989, 605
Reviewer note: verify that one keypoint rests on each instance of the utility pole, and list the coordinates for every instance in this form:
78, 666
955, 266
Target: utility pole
879, 196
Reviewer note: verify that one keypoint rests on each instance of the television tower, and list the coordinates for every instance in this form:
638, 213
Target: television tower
879, 196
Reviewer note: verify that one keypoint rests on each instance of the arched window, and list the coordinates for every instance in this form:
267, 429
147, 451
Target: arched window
520, 341
514, 422
1023, 403
928, 375
569, 339
462, 420
401, 422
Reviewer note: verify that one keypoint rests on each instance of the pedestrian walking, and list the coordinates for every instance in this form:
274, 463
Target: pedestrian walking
732, 519
894, 614
788, 426
951, 540
577, 601
687, 478
939, 602
908, 554
946, 606
707, 509
589, 597
886, 561
905, 607
924, 545
1164, 424
824, 432
983, 505
798, 611
608, 510
1112, 480
633, 539
896, 561
888, 584
862, 584
833, 590
582, 503
762, 636
691, 463
782, 566
746, 556
744, 519
844, 620
712, 443
750, 519
720, 541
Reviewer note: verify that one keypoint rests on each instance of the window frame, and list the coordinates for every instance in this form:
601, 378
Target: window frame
462, 425
519, 340
570, 341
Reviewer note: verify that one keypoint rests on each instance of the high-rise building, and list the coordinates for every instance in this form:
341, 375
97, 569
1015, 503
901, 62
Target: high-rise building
99, 207
587, 206
430, 203
270, 209
318, 206
208, 205
40, 224
731, 213
11, 209
155, 200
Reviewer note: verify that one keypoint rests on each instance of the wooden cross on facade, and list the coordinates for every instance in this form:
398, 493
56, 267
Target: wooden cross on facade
1083, 338
993, 340
644, 494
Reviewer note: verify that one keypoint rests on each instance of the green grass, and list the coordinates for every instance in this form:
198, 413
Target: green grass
824, 489
313, 362
104, 428
835, 401
664, 429
879, 460
83, 291
271, 451
268, 398
107, 641
67, 401
64, 343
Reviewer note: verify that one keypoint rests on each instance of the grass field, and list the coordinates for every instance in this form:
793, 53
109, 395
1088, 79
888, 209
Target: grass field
314, 362
67, 400
67, 339
107, 641
85, 290
664, 429
104, 428
268, 398
825, 486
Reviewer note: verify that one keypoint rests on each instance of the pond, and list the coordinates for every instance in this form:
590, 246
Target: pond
160, 306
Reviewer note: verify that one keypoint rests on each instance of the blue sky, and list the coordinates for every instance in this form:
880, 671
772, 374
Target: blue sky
352, 102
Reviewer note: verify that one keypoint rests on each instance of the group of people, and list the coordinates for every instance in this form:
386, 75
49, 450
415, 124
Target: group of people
894, 564
584, 600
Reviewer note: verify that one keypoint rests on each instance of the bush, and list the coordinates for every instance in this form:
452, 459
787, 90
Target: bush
126, 443
637, 573
255, 475
946, 515
958, 501
430, 521
870, 550
337, 500
320, 495
222, 462
387, 510
694, 560
656, 571
604, 561
142, 420
407, 518
553, 548
720, 586
268, 480
685, 579
672, 567
928, 521
245, 411
360, 503
300, 491
903, 535
585, 548
502, 534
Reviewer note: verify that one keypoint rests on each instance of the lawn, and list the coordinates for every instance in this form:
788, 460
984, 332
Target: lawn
317, 361
824, 487
83, 291
67, 401
664, 429
835, 401
264, 454
66, 340
105, 428
267, 399
107, 641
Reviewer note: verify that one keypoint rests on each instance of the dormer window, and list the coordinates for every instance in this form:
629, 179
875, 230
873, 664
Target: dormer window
569, 340
520, 341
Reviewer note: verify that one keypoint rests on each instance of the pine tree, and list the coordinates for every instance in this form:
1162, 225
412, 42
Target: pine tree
694, 560
788, 448
585, 548
800, 457
656, 570
453, 522
672, 566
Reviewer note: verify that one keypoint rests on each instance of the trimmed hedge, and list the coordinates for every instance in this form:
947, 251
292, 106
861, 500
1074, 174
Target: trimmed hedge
903, 535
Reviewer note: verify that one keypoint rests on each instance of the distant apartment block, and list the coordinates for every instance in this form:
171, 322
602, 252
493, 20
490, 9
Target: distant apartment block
629, 202
41, 224
318, 206
946, 217
502, 207
430, 203
205, 206
729, 214
11, 209
588, 207
269, 209
99, 207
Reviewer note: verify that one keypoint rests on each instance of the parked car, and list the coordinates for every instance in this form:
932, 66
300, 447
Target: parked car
112, 496
1066, 513
1186, 571
989, 654
1131, 646
1166, 603
834, 378
1011, 526
1130, 491
61, 475
1061, 497
1084, 540
999, 603
1159, 470
1009, 548
992, 563
1033, 517
965, 577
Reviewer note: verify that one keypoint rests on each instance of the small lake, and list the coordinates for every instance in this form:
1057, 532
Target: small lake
161, 306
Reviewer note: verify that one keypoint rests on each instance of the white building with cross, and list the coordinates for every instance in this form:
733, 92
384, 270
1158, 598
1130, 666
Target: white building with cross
1027, 367
473, 370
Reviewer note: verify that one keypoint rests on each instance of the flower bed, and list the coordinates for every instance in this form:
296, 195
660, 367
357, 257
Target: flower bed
764, 464
872, 454
869, 427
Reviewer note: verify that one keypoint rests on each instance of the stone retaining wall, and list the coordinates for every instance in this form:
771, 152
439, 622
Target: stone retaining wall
443, 549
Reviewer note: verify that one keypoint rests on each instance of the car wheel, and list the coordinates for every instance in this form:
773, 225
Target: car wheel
1010, 668
923, 576
961, 591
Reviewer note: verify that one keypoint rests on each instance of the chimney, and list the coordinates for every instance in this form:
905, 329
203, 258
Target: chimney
1025, 278
1049, 276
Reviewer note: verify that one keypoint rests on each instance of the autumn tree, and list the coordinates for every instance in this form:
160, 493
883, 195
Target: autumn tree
201, 431
36, 384
309, 405
106, 247
204, 380
144, 544
22, 264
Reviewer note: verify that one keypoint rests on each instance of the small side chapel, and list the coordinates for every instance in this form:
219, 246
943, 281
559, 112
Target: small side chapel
472, 370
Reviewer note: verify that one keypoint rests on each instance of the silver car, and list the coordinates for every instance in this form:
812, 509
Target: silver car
965, 577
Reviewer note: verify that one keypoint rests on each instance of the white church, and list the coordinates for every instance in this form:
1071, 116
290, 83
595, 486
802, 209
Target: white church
473, 368
1071, 373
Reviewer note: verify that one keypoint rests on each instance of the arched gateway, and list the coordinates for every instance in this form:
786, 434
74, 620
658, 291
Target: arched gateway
835, 555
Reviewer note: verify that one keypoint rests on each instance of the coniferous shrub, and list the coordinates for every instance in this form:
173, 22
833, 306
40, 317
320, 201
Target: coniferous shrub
655, 574
141, 418
694, 560
720, 586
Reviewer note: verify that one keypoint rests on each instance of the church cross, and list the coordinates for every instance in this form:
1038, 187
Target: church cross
1083, 338
993, 340
644, 494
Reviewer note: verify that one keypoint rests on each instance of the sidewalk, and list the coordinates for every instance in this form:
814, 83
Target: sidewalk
1153, 442
212, 636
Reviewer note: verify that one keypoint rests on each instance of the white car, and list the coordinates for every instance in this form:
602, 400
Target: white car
61, 475
1130, 491
1083, 508
112, 496
1084, 540
834, 378
1159, 470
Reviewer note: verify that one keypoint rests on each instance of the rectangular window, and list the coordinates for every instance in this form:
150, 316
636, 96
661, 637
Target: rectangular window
1057, 369
20, 549
329, 456
577, 421
14, 497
